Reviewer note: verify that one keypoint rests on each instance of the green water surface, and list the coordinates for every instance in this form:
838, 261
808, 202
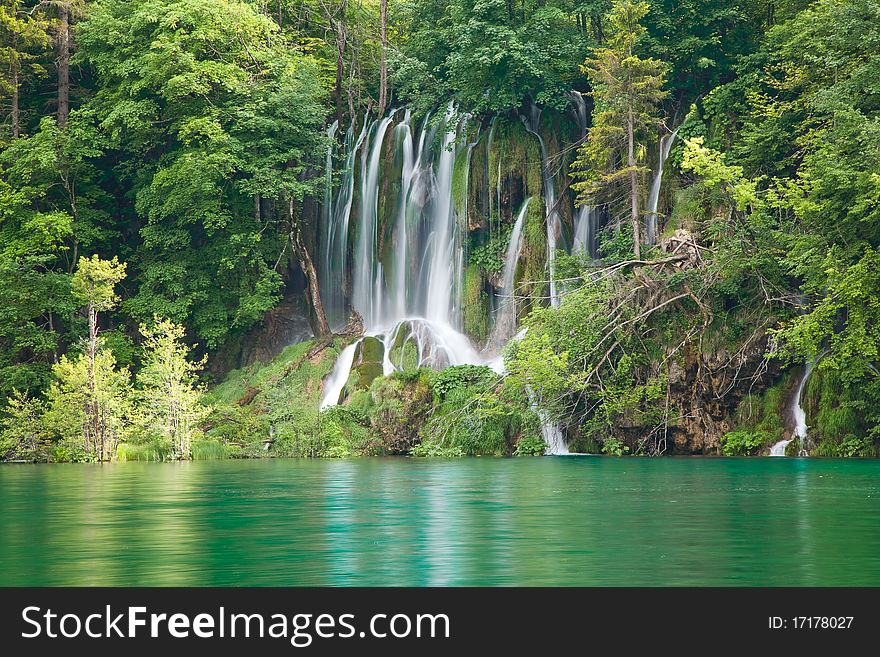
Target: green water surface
528, 521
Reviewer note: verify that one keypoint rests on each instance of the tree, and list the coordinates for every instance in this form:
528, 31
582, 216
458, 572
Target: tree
169, 397
22, 431
63, 30
491, 55
627, 90
94, 283
23, 34
208, 111
88, 405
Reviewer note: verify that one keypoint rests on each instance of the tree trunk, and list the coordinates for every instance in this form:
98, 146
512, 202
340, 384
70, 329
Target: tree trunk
63, 65
634, 185
16, 116
383, 65
94, 419
308, 267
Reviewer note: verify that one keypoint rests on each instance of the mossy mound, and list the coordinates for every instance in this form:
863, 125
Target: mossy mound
271, 409
367, 364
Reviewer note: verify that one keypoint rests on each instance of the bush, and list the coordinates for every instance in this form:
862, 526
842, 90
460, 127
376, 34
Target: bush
614, 447
744, 443
849, 447
437, 451
211, 449
458, 376
530, 446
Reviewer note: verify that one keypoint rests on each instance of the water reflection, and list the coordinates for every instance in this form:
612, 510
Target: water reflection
551, 521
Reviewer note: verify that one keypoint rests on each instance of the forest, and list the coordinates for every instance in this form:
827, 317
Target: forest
438, 228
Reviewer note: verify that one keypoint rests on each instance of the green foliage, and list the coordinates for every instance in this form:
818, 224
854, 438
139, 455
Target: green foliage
169, 400
433, 450
530, 446
627, 90
702, 41
475, 305
490, 256
94, 283
23, 433
850, 447
253, 405
193, 151
768, 413
471, 417
614, 447
558, 366
490, 54
745, 443
89, 404
144, 446
209, 106
460, 376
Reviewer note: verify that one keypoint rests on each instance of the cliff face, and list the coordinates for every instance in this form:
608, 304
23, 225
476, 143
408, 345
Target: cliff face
707, 389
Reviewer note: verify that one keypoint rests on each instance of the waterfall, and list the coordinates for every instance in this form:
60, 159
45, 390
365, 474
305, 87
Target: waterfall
404, 142
654, 197
799, 414
586, 220
334, 383
554, 225
333, 260
417, 304
553, 437
494, 212
586, 226
505, 313
440, 252
332, 301
408, 292
366, 295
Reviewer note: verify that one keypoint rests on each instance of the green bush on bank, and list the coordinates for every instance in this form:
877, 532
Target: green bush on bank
745, 443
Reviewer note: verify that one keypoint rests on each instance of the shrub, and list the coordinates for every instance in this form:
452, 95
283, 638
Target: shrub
530, 446
744, 443
435, 450
614, 447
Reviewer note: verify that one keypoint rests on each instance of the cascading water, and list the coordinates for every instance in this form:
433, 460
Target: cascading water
366, 295
586, 220
335, 383
418, 304
333, 262
550, 430
554, 224
654, 196
585, 230
505, 307
553, 437
404, 143
407, 278
799, 414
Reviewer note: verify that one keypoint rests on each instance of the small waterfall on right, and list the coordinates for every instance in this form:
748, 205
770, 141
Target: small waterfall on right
654, 196
505, 306
552, 433
587, 217
800, 416
554, 223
